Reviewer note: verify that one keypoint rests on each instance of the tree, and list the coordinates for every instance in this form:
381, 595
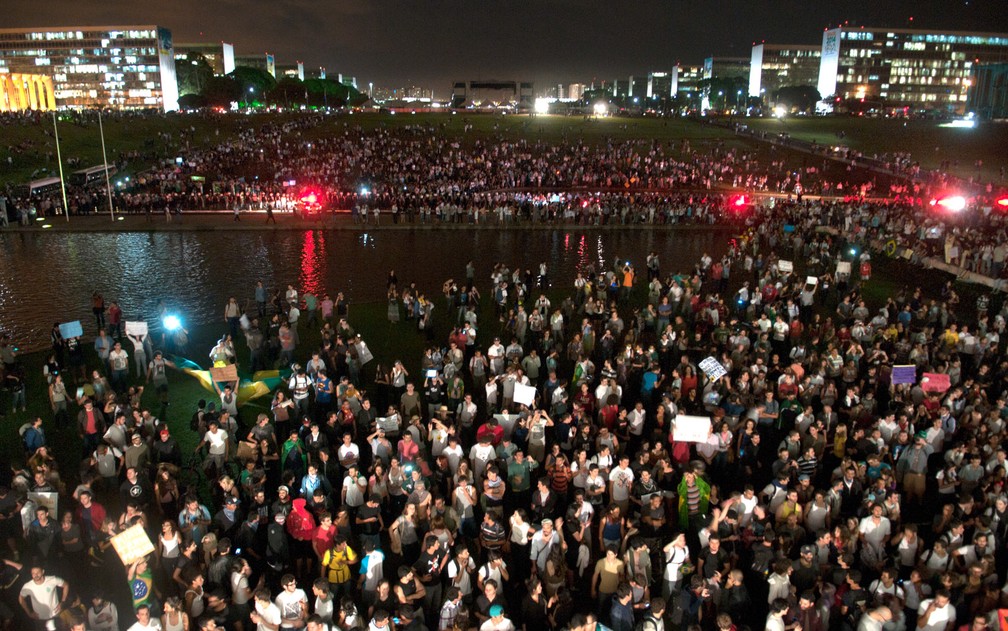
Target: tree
222, 91
253, 83
288, 91
797, 97
326, 92
192, 101
193, 73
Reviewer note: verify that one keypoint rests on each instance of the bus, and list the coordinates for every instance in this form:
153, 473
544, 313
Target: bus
44, 186
91, 176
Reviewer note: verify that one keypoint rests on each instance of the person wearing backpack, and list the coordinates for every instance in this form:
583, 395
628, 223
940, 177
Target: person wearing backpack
653, 619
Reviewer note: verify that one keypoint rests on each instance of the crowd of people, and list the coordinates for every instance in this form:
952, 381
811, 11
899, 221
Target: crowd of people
529, 469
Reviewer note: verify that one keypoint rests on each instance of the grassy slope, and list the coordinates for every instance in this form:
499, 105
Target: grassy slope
924, 140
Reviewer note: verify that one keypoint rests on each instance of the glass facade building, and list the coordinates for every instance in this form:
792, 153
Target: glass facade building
774, 66
117, 67
928, 70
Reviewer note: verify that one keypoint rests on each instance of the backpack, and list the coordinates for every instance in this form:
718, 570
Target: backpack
301, 526
646, 623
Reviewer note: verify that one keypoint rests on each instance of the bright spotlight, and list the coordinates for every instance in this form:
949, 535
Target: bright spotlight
542, 105
779, 111
601, 109
172, 323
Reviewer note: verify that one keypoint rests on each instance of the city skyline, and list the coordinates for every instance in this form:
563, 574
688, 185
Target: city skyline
433, 43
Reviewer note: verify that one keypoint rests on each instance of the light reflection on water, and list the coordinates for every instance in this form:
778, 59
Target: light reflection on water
49, 277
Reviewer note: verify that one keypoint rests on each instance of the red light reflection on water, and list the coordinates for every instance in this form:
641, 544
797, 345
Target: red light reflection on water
312, 262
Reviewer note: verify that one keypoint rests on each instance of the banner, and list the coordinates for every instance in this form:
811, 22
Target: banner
388, 424
71, 329
713, 368
691, 429
935, 382
136, 328
904, 374
132, 544
524, 395
224, 374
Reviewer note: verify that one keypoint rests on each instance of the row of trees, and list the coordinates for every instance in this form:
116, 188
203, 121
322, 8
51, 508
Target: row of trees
200, 87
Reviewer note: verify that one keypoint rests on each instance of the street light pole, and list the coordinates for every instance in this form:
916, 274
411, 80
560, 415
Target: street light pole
59, 162
105, 166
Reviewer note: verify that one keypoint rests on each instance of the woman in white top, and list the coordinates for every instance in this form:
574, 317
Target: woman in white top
169, 545
173, 618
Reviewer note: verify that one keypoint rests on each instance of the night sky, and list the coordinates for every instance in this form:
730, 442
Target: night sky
433, 42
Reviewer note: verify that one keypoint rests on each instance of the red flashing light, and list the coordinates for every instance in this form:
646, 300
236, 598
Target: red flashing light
310, 198
953, 203
738, 202
1002, 202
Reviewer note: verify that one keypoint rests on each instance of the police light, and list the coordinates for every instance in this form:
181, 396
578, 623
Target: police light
738, 202
953, 203
310, 198
1002, 202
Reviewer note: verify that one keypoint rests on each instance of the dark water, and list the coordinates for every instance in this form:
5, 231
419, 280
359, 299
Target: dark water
46, 278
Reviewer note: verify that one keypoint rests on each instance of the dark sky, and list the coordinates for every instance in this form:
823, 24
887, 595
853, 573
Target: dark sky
432, 42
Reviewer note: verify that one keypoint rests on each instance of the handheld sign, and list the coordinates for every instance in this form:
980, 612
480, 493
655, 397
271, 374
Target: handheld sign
224, 374
132, 544
904, 375
713, 368
524, 395
136, 328
71, 329
691, 429
785, 266
935, 382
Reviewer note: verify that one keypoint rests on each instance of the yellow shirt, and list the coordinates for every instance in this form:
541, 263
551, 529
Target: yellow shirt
338, 562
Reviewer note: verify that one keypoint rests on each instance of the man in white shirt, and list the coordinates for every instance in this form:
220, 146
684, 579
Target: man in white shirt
217, 440
266, 616
47, 594
936, 614
145, 621
621, 479
292, 603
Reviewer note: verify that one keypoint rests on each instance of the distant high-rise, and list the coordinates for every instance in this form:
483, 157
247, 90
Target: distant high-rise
905, 67
219, 55
118, 67
774, 66
575, 91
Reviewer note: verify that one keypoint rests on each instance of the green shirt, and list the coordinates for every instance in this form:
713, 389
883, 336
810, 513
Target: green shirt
519, 475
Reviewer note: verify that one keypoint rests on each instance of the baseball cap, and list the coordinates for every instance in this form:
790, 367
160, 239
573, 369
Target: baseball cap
546, 522
808, 549
283, 488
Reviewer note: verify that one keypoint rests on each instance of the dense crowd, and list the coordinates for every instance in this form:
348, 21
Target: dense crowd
439, 496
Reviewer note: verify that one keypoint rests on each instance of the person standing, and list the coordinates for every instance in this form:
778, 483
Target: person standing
43, 597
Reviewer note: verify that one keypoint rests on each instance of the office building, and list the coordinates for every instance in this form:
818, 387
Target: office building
905, 67
988, 94
21, 92
774, 66
219, 55
659, 85
263, 61
118, 67
575, 91
291, 71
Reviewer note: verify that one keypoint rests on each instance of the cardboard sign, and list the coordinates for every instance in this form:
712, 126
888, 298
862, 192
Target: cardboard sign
136, 328
71, 329
524, 395
713, 368
48, 499
935, 382
691, 429
388, 424
224, 374
785, 267
843, 267
812, 280
903, 375
132, 544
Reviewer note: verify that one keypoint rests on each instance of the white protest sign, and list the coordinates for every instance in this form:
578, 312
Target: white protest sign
132, 544
785, 267
48, 499
691, 429
713, 368
524, 395
843, 267
136, 328
811, 280
363, 353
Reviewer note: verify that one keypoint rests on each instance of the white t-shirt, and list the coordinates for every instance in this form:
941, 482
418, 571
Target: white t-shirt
269, 613
622, 480
217, 441
940, 617
152, 625
289, 604
45, 596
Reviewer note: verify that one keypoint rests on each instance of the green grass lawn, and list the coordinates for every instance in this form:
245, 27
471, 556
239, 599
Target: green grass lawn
924, 140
